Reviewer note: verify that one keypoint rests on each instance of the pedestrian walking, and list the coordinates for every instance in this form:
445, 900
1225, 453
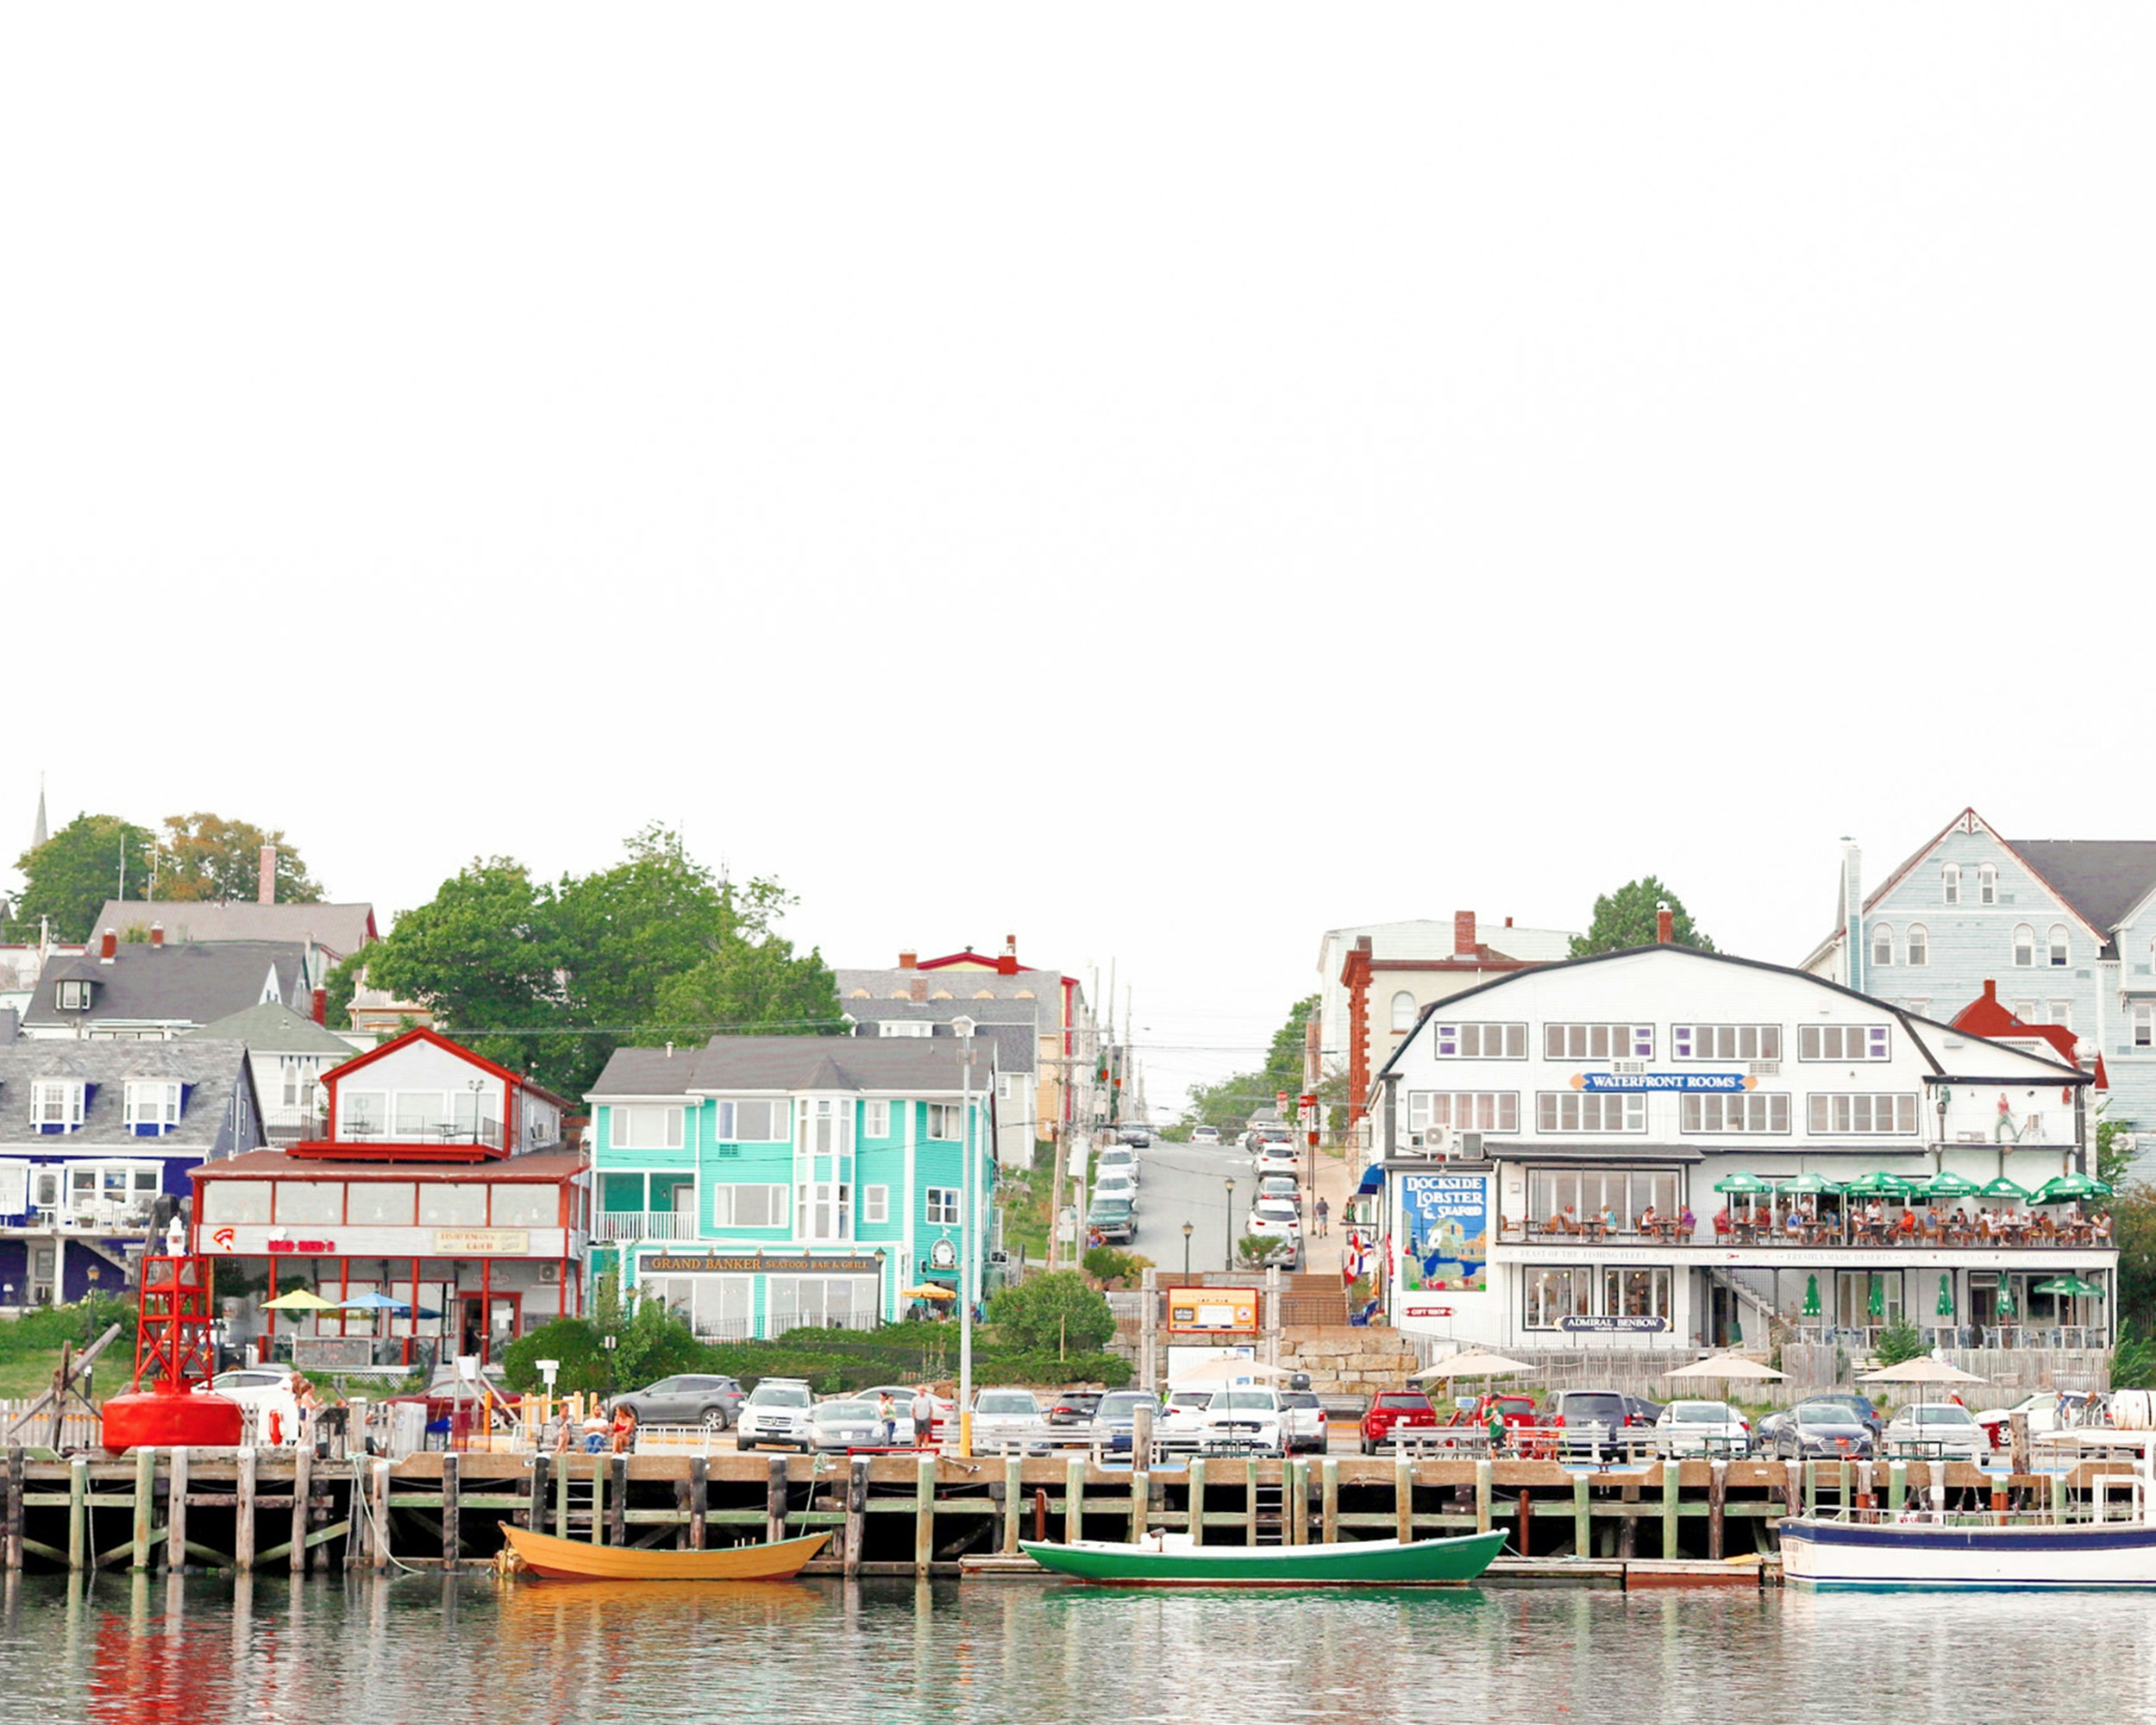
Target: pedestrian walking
1324, 1218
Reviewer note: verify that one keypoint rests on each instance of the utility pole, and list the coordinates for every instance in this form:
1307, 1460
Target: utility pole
969, 1265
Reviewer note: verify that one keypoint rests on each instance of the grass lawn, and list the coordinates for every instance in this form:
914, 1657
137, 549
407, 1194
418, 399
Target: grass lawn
30, 1346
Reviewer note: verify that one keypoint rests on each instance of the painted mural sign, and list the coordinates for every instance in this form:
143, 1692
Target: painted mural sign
1446, 1219
1663, 1081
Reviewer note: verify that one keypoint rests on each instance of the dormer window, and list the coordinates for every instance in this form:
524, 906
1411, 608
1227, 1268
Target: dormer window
153, 1106
72, 996
56, 1104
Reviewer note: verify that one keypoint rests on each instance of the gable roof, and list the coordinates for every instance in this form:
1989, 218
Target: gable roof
2102, 878
344, 929
1913, 1024
338, 1075
194, 984
922, 1065
212, 1069
273, 1028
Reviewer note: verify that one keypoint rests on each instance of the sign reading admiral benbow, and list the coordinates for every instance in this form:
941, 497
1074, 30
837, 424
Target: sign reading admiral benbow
755, 1264
1663, 1081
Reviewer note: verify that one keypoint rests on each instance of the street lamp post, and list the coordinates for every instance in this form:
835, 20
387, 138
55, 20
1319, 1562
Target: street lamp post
1187, 1234
1230, 1242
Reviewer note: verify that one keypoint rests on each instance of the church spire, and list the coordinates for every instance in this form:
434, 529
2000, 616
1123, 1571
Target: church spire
38, 834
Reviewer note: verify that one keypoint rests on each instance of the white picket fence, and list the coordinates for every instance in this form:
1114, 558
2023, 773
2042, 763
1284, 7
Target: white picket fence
78, 1430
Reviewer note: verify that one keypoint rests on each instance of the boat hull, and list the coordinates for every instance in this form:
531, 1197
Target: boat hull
1371, 1563
1903, 1554
559, 1560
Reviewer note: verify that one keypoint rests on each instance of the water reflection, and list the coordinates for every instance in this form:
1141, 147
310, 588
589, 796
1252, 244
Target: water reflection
272, 1648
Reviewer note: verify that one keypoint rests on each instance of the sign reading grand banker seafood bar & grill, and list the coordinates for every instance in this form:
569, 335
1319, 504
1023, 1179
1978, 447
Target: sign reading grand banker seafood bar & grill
753, 1264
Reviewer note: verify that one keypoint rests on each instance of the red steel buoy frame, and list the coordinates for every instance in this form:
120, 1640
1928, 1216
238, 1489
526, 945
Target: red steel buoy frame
170, 1403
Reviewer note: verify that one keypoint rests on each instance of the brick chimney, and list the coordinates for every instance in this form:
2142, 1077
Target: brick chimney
1664, 924
1007, 964
320, 1010
157, 934
1464, 934
917, 989
907, 959
108, 946
1990, 991
266, 889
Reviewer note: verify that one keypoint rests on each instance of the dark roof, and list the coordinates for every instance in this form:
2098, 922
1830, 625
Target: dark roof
344, 929
195, 984
921, 1064
2102, 878
273, 1028
210, 1068
1008, 1024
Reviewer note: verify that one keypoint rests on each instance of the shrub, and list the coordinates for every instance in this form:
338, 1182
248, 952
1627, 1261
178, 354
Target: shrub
573, 1341
1899, 1341
1057, 1312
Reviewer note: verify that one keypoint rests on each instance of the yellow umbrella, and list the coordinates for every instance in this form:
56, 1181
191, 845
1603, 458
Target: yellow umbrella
926, 1290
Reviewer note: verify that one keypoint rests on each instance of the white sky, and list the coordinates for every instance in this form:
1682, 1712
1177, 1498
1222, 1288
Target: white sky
1164, 480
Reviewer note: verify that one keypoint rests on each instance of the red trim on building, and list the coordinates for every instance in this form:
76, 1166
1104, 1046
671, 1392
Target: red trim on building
1988, 1018
420, 1033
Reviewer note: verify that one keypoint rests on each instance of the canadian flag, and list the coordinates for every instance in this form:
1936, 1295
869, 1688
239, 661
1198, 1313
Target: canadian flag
1352, 1260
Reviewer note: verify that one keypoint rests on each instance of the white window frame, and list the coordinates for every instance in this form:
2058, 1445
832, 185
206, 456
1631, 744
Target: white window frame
726, 1204
2145, 1023
1850, 1113
154, 1102
1570, 1111
2024, 946
631, 1115
726, 1120
822, 1211
875, 1205
940, 1208
1882, 946
1484, 1111
2059, 1012
56, 1103
1987, 883
71, 994
1950, 884
824, 1125
1745, 1042
1749, 1112
1403, 1012
1873, 1042
875, 1118
2058, 948
1479, 1041
946, 1121
1565, 1040
1917, 946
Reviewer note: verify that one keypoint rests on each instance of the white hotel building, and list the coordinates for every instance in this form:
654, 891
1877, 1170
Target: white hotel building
1641, 1078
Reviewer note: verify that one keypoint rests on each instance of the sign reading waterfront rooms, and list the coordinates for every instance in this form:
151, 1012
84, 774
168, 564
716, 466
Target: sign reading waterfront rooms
755, 1264
1663, 1081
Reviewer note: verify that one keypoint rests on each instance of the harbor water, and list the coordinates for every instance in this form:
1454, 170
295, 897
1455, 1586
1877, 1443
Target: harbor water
427, 1648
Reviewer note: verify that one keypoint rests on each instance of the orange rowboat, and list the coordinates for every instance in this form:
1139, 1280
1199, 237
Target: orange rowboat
579, 1560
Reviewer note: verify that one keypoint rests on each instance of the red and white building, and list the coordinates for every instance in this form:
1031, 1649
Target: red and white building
443, 1184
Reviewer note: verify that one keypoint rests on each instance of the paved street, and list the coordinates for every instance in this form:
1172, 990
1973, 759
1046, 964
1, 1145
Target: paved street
1186, 1182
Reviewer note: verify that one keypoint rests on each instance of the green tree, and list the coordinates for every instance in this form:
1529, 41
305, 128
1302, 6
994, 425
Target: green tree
2112, 1162
1057, 1312
751, 986
482, 954
1627, 918
1236, 1098
339, 985
2134, 1221
205, 857
72, 875
1898, 1341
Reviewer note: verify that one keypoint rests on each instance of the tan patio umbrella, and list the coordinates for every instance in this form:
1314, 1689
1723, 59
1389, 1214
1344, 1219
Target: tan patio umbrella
1725, 1367
1924, 1371
1475, 1362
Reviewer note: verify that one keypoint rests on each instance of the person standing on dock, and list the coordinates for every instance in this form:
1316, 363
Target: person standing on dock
923, 1412
887, 1417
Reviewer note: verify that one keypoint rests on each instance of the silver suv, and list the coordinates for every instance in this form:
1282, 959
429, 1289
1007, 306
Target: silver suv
776, 1414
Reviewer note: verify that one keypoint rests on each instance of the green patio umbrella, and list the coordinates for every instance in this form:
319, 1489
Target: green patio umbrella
1880, 1184
1945, 1306
1809, 1186
1877, 1307
1743, 1185
2003, 1188
1811, 1295
1945, 1185
2066, 1188
2070, 1287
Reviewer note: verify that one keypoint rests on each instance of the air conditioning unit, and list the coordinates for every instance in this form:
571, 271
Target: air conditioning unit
550, 1273
1437, 1141
1764, 1069
1471, 1146
1629, 1069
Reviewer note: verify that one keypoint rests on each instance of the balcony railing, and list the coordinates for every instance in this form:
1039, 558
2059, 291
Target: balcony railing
486, 1133
644, 1224
2077, 1237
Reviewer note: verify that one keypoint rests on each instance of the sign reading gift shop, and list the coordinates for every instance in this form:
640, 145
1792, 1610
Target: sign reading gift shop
754, 1263
1664, 1081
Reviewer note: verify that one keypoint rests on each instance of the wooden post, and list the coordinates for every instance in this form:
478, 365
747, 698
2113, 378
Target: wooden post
700, 1498
1481, 1495
774, 1499
925, 1515
1672, 1475
2059, 1497
561, 1498
77, 1512
1792, 1488
1329, 1501
303, 1503
145, 1506
1197, 1518
1866, 1499
1403, 1499
1897, 1487
176, 1515
2017, 1440
1013, 1491
535, 1511
1250, 1501
14, 1506
1998, 1503
452, 1507
1074, 1500
856, 1514
1141, 1502
1583, 1520
598, 1535
1627, 1527
379, 1520
1811, 1488
1717, 1499
1526, 1522
244, 1529
618, 1502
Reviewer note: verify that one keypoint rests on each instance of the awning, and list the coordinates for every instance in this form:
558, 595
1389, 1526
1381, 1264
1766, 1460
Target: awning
1372, 1180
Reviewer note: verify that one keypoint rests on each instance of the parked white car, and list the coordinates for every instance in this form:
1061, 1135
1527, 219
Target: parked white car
260, 1390
1276, 1218
1244, 1413
776, 1414
1181, 1422
1113, 1182
1942, 1430
1120, 1159
1209, 1135
1702, 1428
1007, 1419
1307, 1431
1275, 1159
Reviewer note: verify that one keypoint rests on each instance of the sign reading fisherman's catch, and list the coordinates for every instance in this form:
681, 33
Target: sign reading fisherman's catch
1444, 1221
1663, 1081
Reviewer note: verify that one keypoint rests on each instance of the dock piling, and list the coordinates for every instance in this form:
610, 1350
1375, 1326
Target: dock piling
1329, 1501
923, 1515
14, 1506
1013, 1501
1196, 1519
1074, 1500
536, 1514
856, 1514
176, 1514
774, 1500
145, 1506
1141, 1502
1672, 1482
700, 1497
1482, 1470
598, 1535
377, 1516
1583, 1521
452, 1508
243, 1528
617, 1503
302, 1504
77, 1512
1717, 1504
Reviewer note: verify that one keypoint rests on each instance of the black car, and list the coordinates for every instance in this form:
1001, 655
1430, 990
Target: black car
1826, 1428
1074, 1407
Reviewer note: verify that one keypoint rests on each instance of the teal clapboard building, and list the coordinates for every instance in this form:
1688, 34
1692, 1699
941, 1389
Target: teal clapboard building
764, 1184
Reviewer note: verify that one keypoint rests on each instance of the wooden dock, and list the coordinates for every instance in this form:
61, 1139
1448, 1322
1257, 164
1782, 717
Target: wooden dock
903, 1513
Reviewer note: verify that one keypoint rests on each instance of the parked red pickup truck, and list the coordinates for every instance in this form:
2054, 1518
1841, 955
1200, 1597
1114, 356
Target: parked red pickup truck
1391, 1408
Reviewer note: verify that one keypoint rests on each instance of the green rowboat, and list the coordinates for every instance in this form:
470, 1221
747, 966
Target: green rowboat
1171, 1561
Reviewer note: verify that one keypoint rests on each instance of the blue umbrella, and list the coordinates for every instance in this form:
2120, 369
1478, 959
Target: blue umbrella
371, 1302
